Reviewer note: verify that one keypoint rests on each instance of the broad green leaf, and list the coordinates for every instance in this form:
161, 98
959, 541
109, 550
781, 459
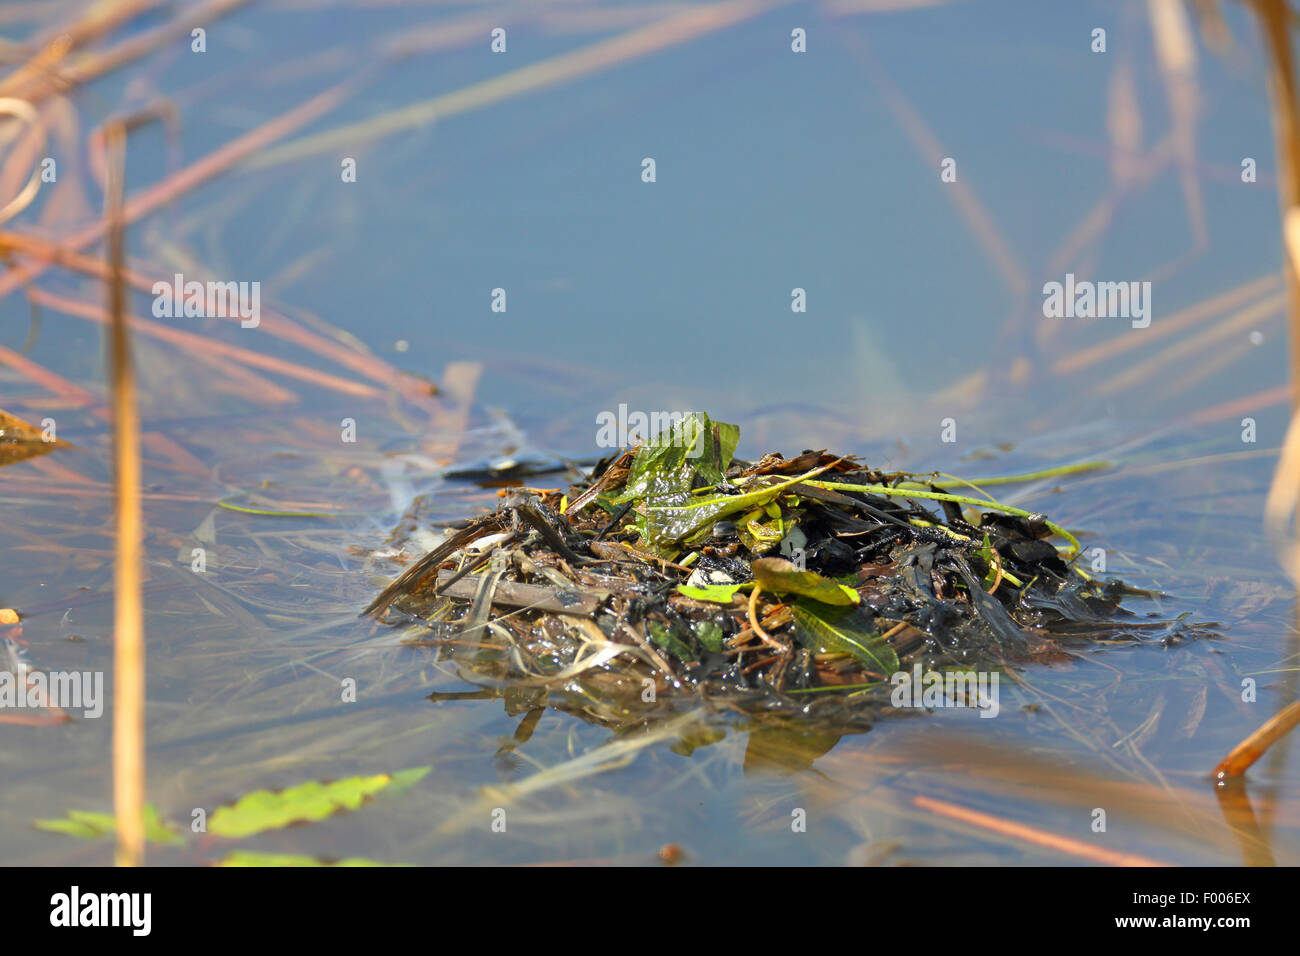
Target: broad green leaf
269, 810
89, 825
778, 574
666, 468
670, 462
249, 858
717, 593
843, 629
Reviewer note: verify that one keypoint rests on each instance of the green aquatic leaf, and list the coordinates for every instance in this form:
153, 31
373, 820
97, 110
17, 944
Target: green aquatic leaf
694, 451
271, 809
761, 536
986, 555
778, 574
846, 630
709, 634
89, 825
670, 462
665, 638
250, 858
717, 593
672, 520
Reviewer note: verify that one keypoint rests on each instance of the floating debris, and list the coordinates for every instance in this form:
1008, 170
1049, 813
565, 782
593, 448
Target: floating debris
780, 585
20, 441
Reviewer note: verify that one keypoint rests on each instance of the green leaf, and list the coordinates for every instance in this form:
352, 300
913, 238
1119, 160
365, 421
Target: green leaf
250, 858
89, 825
717, 593
672, 519
405, 779
670, 462
670, 642
269, 810
847, 630
778, 574
666, 468
709, 634
986, 555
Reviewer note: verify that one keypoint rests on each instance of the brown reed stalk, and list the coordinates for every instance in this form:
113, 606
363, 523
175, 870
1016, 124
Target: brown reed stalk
1252, 748
128, 618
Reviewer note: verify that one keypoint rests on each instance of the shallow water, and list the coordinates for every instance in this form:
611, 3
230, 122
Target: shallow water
775, 170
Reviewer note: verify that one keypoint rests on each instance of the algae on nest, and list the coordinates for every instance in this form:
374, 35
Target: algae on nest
763, 585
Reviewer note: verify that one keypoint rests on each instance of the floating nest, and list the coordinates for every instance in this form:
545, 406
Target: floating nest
675, 573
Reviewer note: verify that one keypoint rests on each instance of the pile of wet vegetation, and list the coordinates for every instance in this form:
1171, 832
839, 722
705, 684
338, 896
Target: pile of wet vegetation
799, 585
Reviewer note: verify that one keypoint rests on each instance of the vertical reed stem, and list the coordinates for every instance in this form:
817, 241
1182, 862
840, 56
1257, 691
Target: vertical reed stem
128, 624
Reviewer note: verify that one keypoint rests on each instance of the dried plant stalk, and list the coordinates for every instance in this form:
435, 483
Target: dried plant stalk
128, 623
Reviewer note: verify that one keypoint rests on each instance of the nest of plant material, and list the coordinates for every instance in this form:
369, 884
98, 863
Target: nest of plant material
781, 583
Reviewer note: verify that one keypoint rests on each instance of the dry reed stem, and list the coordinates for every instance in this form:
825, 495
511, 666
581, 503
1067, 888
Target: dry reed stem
48, 380
665, 33
449, 420
1029, 834
1176, 55
54, 70
977, 218
1240, 323
182, 181
1247, 404
272, 322
23, 111
1183, 319
195, 342
128, 616
1253, 747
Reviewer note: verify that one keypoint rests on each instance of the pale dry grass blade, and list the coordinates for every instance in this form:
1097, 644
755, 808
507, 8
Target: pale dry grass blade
664, 34
195, 174
977, 218
57, 70
23, 111
1175, 51
1179, 321
1239, 324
